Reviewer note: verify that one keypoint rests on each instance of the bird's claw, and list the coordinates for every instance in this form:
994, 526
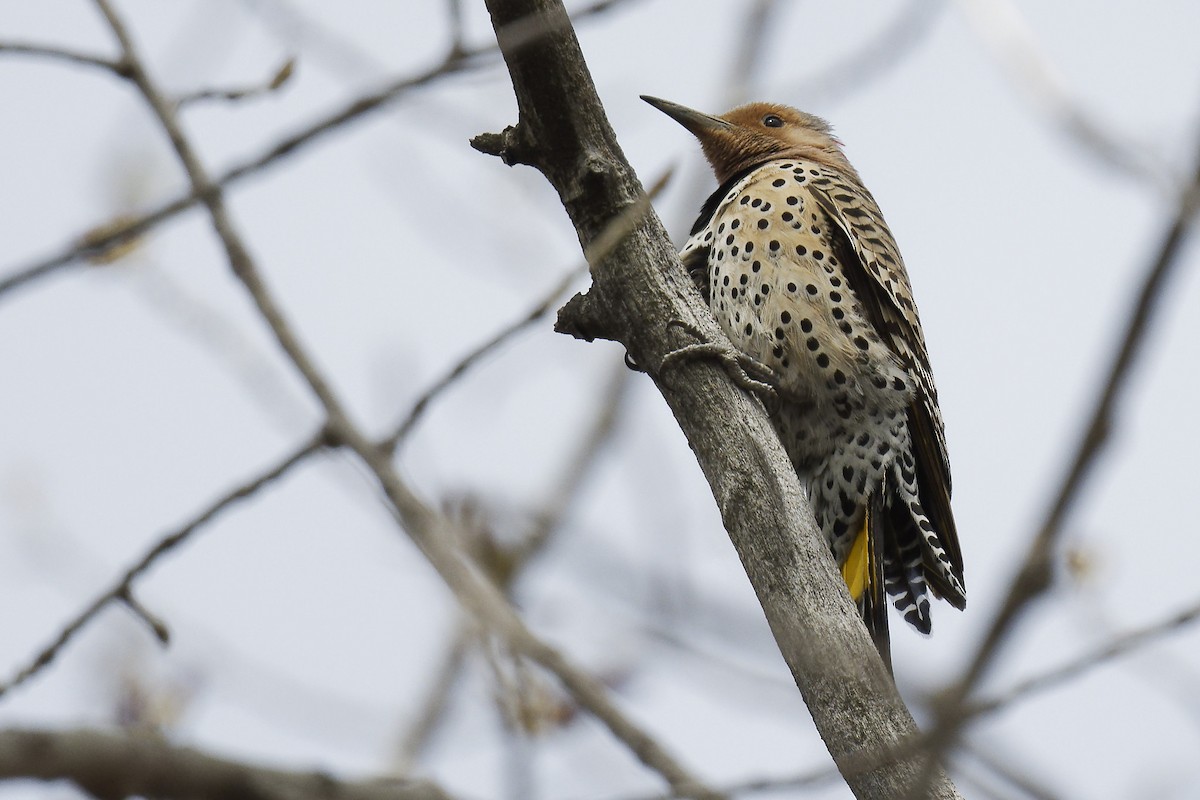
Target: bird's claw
755, 377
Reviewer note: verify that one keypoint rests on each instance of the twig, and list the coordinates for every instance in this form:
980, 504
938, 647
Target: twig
89, 243
811, 779
458, 41
62, 54
120, 590
152, 621
140, 763
429, 718
548, 302
277, 81
546, 524
988, 759
1118, 647
1034, 577
246, 358
319, 42
421, 523
579, 467
618, 229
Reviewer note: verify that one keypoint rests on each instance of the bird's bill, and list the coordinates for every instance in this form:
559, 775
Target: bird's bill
695, 121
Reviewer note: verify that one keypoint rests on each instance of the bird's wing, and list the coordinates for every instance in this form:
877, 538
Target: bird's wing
881, 284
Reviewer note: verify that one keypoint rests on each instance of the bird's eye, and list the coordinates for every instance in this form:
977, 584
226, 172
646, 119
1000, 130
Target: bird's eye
772, 121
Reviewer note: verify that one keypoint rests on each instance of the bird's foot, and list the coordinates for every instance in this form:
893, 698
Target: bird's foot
755, 377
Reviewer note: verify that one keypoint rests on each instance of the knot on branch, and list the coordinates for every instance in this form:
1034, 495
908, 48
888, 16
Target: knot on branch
511, 145
583, 318
595, 176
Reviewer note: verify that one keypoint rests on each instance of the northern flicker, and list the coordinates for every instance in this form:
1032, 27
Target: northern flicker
797, 264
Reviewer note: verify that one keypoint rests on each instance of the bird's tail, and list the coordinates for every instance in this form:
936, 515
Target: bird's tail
863, 573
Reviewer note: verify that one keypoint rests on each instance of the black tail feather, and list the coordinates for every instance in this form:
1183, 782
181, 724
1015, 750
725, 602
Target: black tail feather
873, 604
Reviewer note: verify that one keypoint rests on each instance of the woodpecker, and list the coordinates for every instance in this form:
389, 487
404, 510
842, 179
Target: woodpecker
794, 259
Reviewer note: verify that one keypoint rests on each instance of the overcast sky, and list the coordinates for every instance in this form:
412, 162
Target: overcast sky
306, 629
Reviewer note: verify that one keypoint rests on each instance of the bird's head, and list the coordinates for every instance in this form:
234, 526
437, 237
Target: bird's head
755, 133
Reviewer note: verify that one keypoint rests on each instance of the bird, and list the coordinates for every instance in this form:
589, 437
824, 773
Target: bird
794, 259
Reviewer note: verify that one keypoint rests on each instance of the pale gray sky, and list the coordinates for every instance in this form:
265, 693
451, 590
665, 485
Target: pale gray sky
305, 628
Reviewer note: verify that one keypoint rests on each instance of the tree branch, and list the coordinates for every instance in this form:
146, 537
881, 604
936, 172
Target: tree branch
105, 235
122, 589
1119, 646
637, 292
423, 525
278, 79
119, 68
617, 230
109, 765
1034, 577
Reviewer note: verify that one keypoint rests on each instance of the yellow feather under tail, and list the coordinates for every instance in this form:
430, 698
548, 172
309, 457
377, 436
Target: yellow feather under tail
856, 570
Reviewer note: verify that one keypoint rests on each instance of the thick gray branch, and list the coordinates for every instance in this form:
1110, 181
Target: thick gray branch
638, 288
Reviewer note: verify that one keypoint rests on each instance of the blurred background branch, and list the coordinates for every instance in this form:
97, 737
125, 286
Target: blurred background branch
106, 764
1036, 574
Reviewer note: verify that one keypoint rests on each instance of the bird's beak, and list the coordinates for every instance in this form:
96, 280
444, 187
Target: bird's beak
695, 121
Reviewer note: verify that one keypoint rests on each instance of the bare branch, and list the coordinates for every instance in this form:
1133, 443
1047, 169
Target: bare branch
140, 763
811, 779
540, 309
152, 621
428, 719
277, 81
1034, 577
121, 589
508, 569
320, 43
423, 525
636, 295
1122, 645
578, 467
104, 235
119, 68
1001, 768
617, 230
458, 41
